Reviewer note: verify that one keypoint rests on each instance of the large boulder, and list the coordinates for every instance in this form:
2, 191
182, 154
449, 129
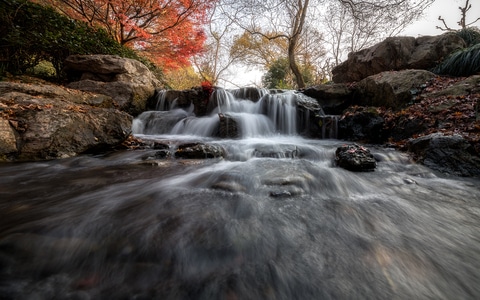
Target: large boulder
333, 98
397, 53
394, 89
127, 81
42, 122
8, 141
450, 154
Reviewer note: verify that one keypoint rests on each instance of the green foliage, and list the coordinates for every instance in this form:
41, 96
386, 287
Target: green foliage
275, 78
464, 62
470, 35
32, 33
280, 76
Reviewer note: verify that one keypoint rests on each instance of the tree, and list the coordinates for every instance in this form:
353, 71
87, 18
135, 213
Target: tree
266, 14
288, 19
216, 58
280, 76
168, 31
463, 19
182, 78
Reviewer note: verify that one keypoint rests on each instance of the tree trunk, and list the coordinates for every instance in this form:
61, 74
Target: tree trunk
293, 63
297, 27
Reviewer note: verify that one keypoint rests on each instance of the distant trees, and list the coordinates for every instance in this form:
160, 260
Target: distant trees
351, 24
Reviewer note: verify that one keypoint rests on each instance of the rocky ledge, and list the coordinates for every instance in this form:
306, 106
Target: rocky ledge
42, 121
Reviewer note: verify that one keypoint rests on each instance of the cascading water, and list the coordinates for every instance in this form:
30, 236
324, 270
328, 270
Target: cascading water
272, 218
266, 115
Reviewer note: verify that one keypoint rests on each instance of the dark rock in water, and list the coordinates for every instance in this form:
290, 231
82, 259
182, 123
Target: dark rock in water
250, 93
228, 126
308, 113
276, 151
355, 158
448, 154
158, 122
160, 146
198, 151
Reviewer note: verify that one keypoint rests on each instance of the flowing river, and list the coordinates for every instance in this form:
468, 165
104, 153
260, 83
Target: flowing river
275, 218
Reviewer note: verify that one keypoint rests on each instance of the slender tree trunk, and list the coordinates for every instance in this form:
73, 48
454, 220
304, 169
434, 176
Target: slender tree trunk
297, 28
293, 63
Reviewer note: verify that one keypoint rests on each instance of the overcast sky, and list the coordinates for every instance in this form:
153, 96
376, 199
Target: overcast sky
448, 9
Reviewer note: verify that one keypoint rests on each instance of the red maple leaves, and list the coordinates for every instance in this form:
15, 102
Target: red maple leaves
169, 32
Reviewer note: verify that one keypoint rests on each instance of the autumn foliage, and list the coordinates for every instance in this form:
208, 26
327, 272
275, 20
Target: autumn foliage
168, 32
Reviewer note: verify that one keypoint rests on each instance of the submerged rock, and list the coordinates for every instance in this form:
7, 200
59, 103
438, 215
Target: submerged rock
355, 158
198, 151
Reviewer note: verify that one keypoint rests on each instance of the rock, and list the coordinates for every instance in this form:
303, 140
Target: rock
363, 124
308, 113
228, 127
397, 53
157, 122
355, 158
276, 151
333, 98
198, 151
44, 89
8, 141
47, 125
249, 93
170, 99
470, 85
127, 81
392, 89
328, 126
405, 126
447, 154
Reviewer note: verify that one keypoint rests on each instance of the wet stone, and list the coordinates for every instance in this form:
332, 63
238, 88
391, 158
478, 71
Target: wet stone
198, 151
355, 158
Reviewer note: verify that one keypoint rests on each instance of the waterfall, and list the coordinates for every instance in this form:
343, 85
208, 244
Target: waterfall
162, 104
256, 112
329, 125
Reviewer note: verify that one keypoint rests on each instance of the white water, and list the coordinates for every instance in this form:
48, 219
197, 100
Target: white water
271, 114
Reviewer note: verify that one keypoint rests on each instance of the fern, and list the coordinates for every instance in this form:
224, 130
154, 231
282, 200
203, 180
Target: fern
464, 62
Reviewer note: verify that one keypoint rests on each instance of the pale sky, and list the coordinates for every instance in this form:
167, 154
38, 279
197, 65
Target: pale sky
448, 9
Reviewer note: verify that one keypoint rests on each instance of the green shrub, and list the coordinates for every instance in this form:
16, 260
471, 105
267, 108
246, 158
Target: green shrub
32, 33
464, 62
470, 35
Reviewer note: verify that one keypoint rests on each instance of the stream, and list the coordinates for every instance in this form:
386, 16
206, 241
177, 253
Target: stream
274, 218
